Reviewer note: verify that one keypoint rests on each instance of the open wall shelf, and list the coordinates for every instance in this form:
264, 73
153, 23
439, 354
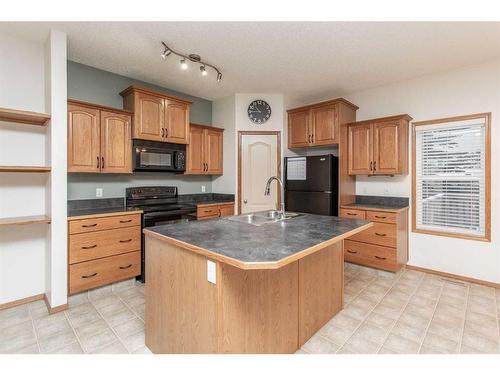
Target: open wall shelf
24, 220
24, 169
24, 117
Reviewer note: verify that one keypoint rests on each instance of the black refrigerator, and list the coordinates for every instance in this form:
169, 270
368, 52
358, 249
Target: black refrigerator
311, 184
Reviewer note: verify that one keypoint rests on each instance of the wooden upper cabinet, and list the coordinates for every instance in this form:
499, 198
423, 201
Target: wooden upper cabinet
324, 127
176, 122
116, 143
195, 150
318, 124
360, 149
157, 117
213, 151
148, 117
99, 139
379, 146
83, 139
298, 129
205, 150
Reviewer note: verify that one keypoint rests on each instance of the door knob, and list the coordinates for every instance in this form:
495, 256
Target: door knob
245, 201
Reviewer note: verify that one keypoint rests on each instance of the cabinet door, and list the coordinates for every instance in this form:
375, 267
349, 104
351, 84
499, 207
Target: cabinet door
176, 122
226, 209
149, 117
298, 129
386, 149
360, 149
324, 126
213, 151
116, 143
83, 139
195, 151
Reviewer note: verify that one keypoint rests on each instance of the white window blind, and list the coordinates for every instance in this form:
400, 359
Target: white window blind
450, 177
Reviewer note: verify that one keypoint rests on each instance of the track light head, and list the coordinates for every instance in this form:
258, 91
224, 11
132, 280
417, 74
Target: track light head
184, 64
203, 70
219, 76
166, 53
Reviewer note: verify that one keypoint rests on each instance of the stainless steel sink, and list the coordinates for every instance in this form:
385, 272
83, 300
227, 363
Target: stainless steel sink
263, 217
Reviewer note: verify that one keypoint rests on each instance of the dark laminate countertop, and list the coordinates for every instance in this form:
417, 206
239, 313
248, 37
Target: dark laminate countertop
271, 245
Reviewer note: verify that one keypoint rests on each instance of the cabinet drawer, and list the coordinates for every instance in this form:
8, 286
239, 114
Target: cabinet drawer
379, 234
382, 217
370, 255
94, 273
207, 211
226, 209
102, 223
90, 246
352, 214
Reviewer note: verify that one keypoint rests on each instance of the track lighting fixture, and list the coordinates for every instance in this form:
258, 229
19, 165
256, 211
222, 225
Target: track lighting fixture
193, 58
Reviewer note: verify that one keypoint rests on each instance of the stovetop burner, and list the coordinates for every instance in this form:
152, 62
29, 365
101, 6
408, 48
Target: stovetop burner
154, 199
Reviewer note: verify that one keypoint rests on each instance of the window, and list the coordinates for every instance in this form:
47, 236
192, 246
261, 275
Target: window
451, 177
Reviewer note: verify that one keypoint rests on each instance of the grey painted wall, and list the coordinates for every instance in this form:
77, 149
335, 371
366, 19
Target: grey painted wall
100, 87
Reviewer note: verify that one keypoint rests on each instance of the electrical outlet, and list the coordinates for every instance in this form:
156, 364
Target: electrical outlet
211, 272
98, 193
203, 188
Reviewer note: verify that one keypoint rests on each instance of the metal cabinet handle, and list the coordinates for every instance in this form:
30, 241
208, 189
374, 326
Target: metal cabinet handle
88, 247
125, 241
89, 225
220, 213
98, 162
371, 166
381, 258
162, 132
380, 234
351, 214
312, 138
380, 217
89, 276
166, 132
352, 252
102, 162
125, 221
207, 211
374, 165
124, 268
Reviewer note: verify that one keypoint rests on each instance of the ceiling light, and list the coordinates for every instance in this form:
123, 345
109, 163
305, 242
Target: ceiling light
165, 53
195, 59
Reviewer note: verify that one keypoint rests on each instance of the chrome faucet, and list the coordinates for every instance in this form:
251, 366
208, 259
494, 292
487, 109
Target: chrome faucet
268, 192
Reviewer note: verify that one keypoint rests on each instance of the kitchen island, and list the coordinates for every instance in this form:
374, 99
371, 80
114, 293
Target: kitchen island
223, 286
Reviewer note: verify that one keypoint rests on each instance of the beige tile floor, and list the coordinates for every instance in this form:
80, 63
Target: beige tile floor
107, 320
409, 312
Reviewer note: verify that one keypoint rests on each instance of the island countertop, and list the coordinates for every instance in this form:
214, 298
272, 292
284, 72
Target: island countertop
269, 246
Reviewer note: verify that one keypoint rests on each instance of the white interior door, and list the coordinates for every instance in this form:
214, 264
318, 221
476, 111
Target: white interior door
259, 161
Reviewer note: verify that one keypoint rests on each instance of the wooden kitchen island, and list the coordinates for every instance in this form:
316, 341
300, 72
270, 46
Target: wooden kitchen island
275, 284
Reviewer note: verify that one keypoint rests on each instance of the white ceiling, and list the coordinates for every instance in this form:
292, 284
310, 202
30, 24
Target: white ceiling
304, 61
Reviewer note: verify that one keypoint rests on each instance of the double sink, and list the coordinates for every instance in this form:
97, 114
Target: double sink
263, 217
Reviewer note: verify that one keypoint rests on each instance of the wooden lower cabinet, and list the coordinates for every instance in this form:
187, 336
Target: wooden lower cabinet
384, 245
103, 250
210, 211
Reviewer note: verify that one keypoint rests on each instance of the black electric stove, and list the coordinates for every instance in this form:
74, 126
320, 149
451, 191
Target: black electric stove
160, 206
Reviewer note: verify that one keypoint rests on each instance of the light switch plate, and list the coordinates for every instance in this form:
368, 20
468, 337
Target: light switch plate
203, 188
98, 193
211, 272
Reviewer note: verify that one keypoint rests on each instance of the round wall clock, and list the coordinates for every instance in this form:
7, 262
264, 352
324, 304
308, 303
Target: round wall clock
259, 111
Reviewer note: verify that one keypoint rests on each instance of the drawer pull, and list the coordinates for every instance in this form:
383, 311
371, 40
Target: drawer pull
381, 217
88, 247
351, 214
380, 234
124, 268
89, 225
125, 221
89, 276
352, 252
207, 211
381, 258
125, 241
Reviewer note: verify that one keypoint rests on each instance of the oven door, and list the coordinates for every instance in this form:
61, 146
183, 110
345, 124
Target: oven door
154, 159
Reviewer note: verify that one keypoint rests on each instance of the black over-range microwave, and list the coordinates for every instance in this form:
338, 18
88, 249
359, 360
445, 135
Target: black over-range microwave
158, 156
